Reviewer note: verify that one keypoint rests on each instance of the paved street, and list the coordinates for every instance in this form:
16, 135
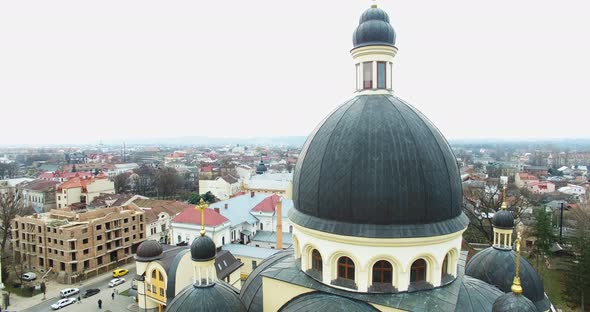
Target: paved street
91, 304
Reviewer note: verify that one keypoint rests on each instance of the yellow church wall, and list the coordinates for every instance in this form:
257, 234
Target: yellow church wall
277, 293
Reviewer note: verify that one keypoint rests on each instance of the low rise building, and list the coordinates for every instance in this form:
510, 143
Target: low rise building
222, 187
159, 214
39, 194
83, 190
78, 245
185, 226
523, 179
541, 187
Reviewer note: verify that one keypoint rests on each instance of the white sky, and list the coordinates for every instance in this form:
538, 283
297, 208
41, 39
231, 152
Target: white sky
81, 71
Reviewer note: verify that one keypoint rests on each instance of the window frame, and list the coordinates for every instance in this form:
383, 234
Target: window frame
383, 267
345, 265
384, 75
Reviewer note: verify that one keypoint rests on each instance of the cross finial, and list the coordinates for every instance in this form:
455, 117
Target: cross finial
516, 287
202, 205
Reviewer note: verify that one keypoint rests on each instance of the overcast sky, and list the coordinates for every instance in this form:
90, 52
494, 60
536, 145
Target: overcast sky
85, 71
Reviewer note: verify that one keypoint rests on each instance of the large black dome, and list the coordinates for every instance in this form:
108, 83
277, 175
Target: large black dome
373, 29
148, 250
498, 267
377, 167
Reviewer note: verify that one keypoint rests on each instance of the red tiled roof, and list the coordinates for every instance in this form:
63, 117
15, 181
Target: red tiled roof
206, 168
526, 176
40, 185
192, 216
78, 182
61, 174
268, 204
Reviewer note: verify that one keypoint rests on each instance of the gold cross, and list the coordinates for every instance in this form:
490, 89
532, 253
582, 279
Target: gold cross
202, 205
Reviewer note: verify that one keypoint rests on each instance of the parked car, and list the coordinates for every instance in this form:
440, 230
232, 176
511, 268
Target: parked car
120, 272
29, 276
116, 281
64, 293
90, 292
62, 303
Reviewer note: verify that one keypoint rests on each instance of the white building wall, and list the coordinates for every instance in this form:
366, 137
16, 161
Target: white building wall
188, 232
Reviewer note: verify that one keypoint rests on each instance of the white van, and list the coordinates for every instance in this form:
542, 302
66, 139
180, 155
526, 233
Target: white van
68, 292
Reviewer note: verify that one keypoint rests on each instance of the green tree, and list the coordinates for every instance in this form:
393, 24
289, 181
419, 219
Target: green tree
194, 198
545, 237
577, 281
121, 183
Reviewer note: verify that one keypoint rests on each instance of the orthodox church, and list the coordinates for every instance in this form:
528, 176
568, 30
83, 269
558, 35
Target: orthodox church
377, 218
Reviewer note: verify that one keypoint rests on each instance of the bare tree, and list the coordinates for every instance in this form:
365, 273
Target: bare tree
12, 204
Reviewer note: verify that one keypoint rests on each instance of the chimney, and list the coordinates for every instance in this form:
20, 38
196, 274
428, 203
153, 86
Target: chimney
225, 205
217, 209
279, 211
251, 194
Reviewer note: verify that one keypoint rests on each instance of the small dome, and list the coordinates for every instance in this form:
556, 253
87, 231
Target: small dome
148, 250
475, 294
498, 267
203, 249
213, 297
261, 168
503, 219
373, 29
511, 302
318, 301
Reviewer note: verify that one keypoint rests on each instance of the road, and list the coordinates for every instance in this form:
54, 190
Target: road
90, 303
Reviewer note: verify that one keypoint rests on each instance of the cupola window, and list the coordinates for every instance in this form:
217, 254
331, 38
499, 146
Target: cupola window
345, 268
368, 75
382, 272
418, 271
445, 266
316, 260
381, 74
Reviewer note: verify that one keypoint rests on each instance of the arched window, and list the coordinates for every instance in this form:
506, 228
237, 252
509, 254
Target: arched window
345, 268
316, 260
154, 274
382, 272
418, 271
261, 226
161, 276
445, 265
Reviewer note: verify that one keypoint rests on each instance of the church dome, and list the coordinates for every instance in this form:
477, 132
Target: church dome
319, 301
503, 219
148, 250
377, 167
511, 302
373, 29
203, 249
498, 267
212, 297
261, 168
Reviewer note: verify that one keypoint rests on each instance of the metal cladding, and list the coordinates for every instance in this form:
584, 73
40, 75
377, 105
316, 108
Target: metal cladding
511, 302
498, 267
214, 297
377, 167
503, 219
148, 250
203, 249
373, 29
319, 301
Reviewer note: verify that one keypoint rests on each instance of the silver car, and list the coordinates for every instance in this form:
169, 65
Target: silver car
116, 281
62, 303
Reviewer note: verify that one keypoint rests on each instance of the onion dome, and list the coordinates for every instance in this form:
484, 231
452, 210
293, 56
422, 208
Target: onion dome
377, 167
212, 297
148, 250
475, 294
261, 168
319, 301
503, 219
511, 302
203, 249
497, 267
373, 29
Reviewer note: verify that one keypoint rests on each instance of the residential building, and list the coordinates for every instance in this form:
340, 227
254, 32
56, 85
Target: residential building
109, 200
265, 212
238, 210
159, 214
83, 190
121, 168
78, 244
62, 176
185, 227
522, 179
271, 183
541, 187
223, 187
39, 194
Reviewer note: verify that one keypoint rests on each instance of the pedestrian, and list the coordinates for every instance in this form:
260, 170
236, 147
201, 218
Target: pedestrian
79, 300
99, 304
113, 295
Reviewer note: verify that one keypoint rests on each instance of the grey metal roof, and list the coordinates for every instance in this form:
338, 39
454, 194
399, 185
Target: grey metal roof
240, 250
238, 208
511, 302
271, 237
373, 29
171, 274
217, 297
320, 301
498, 267
377, 161
284, 267
476, 296
226, 263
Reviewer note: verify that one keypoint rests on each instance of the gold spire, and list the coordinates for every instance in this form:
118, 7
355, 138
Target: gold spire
516, 287
202, 205
504, 206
